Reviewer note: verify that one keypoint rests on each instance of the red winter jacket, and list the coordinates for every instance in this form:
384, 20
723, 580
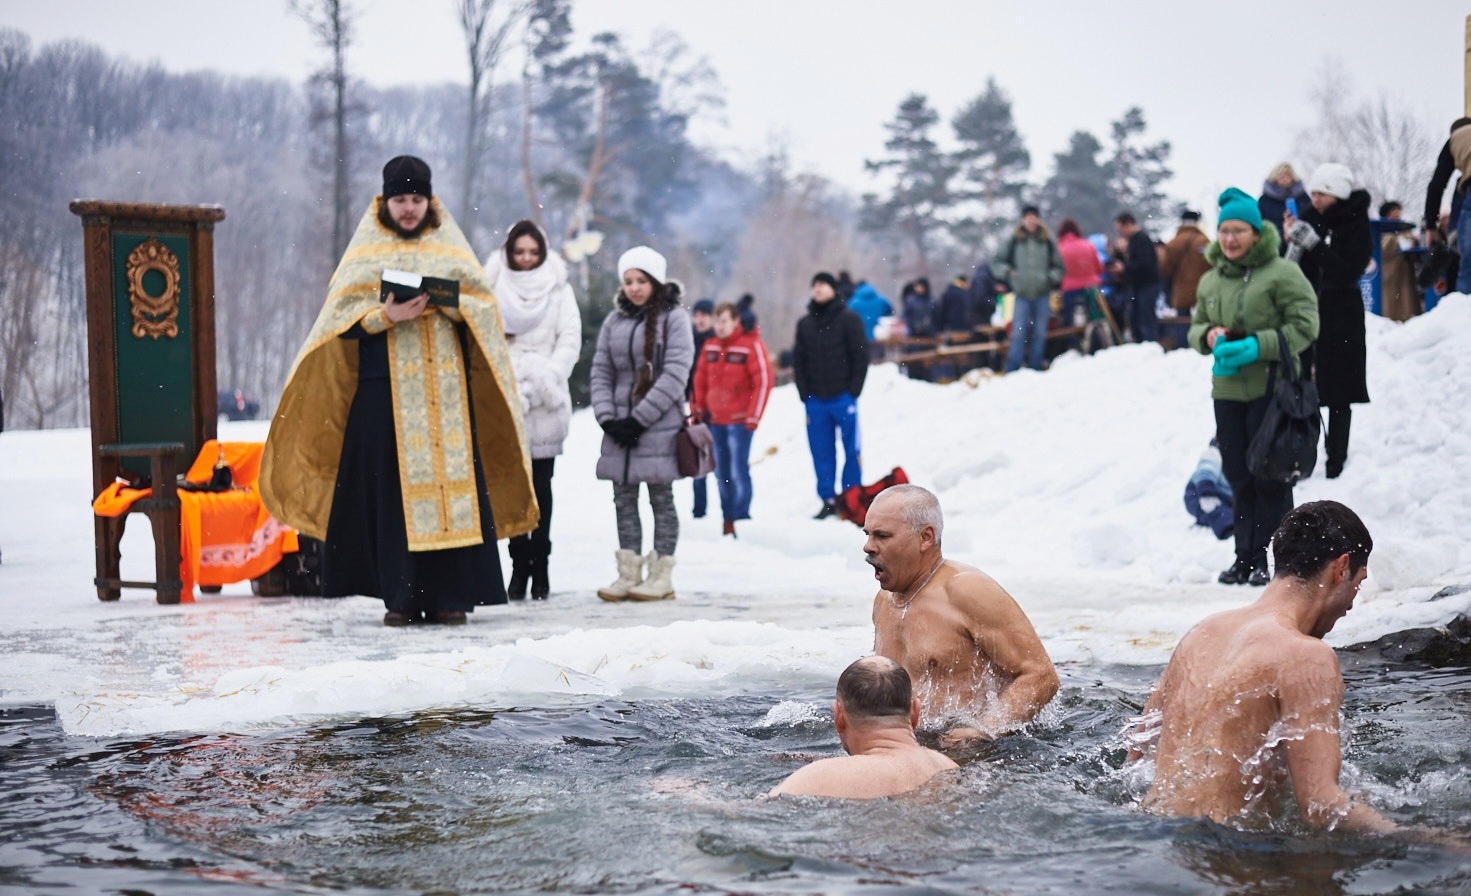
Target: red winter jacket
1080, 264
733, 379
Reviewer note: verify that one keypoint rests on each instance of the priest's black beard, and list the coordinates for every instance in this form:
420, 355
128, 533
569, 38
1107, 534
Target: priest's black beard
430, 219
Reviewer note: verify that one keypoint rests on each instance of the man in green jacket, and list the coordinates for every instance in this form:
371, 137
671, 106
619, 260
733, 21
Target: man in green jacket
1247, 301
1030, 262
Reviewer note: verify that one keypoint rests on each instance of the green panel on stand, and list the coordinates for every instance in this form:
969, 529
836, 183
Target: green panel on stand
155, 375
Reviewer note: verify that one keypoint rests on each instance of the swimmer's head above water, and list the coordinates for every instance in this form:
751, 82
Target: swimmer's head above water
875, 714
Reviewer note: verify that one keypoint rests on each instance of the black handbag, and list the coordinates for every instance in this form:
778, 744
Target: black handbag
1285, 447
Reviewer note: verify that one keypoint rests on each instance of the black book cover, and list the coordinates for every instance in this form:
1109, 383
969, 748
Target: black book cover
401, 286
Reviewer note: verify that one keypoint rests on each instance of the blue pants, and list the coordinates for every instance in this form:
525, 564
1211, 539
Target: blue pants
1028, 332
700, 496
824, 415
1463, 242
733, 469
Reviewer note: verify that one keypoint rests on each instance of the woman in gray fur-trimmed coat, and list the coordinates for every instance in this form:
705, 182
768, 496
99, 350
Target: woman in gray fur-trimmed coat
644, 354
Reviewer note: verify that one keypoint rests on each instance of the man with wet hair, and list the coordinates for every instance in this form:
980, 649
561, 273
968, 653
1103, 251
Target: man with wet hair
978, 667
1246, 716
875, 714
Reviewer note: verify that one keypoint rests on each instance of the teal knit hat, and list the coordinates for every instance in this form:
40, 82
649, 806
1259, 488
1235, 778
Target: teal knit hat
1237, 205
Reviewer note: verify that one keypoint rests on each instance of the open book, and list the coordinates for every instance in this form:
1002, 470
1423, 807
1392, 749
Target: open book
401, 286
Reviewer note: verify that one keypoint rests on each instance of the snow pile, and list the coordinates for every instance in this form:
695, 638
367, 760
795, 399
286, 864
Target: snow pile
1066, 486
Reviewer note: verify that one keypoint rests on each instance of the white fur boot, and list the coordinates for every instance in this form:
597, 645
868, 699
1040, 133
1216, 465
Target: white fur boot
658, 586
630, 574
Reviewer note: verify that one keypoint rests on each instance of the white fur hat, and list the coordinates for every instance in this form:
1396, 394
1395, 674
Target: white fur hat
644, 259
1333, 179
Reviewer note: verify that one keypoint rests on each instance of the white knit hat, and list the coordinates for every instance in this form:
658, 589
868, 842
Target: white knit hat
1333, 179
644, 259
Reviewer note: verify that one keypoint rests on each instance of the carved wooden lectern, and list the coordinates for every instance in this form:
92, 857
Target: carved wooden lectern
151, 366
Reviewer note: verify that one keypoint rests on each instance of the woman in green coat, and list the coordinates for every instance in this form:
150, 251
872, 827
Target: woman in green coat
1249, 296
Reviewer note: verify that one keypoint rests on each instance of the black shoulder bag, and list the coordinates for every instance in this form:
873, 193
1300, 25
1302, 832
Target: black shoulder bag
1285, 448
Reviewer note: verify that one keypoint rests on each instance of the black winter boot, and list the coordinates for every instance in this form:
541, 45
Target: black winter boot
541, 586
1335, 441
1236, 574
1259, 575
520, 550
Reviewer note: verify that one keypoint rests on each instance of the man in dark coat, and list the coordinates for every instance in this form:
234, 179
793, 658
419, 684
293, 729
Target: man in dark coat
955, 312
1334, 245
984, 288
1140, 270
829, 364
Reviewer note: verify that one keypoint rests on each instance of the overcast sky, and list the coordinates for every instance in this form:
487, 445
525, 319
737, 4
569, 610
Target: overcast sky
1228, 83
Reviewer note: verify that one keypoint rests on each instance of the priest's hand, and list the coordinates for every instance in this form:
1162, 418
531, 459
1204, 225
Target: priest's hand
398, 312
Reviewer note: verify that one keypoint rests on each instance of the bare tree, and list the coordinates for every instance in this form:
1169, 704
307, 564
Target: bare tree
489, 26
1390, 151
331, 23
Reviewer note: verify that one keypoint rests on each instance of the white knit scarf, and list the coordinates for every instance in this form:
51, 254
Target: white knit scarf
524, 297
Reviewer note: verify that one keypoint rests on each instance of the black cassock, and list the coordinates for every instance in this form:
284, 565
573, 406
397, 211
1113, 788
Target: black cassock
367, 547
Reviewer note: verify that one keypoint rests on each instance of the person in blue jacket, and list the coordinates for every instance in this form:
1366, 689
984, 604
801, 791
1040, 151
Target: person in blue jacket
870, 306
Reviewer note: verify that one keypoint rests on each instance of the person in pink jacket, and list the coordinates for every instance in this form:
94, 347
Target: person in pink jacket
1082, 273
733, 380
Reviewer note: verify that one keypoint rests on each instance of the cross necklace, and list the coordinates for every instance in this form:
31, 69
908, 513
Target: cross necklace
904, 607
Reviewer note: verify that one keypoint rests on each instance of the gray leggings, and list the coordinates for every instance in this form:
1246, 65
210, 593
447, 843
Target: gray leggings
631, 528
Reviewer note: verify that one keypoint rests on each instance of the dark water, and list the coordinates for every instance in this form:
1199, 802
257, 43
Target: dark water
661, 797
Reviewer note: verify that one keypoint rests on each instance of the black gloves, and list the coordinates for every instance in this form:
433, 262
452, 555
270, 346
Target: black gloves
624, 431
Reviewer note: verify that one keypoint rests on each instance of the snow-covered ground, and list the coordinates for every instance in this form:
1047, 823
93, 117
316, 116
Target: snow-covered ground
1066, 486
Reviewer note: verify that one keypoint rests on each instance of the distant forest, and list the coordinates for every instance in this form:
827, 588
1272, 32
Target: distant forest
578, 134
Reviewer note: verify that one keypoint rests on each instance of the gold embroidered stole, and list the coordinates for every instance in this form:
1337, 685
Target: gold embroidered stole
431, 416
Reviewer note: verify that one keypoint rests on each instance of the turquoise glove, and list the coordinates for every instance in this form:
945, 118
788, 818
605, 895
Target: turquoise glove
1221, 368
1239, 352
1232, 355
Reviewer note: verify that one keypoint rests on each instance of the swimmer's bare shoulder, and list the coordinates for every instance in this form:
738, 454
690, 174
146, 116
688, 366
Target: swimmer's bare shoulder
977, 594
865, 777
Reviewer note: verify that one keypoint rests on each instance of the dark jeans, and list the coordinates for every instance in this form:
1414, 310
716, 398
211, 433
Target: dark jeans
1259, 505
702, 496
1073, 301
1142, 316
733, 469
1028, 332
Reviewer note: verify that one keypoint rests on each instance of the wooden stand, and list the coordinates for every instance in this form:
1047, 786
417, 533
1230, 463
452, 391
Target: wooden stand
151, 365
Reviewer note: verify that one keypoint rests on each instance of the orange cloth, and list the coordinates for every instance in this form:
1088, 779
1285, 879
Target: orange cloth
224, 537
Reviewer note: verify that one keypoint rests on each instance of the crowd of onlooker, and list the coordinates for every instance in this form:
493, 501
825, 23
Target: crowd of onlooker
1042, 294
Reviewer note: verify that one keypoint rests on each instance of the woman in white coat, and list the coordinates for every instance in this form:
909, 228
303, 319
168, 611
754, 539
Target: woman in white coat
544, 333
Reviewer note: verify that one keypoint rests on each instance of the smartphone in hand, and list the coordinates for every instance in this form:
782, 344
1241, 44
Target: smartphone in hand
1292, 206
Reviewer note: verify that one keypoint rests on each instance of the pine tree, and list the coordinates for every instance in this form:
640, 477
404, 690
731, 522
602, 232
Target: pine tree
922, 197
1078, 187
1136, 170
993, 163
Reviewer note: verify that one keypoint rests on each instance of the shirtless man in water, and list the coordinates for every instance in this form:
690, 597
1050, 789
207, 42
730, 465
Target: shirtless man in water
978, 666
1245, 717
875, 713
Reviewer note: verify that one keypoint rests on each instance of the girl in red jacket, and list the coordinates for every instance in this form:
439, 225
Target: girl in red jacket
732, 383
